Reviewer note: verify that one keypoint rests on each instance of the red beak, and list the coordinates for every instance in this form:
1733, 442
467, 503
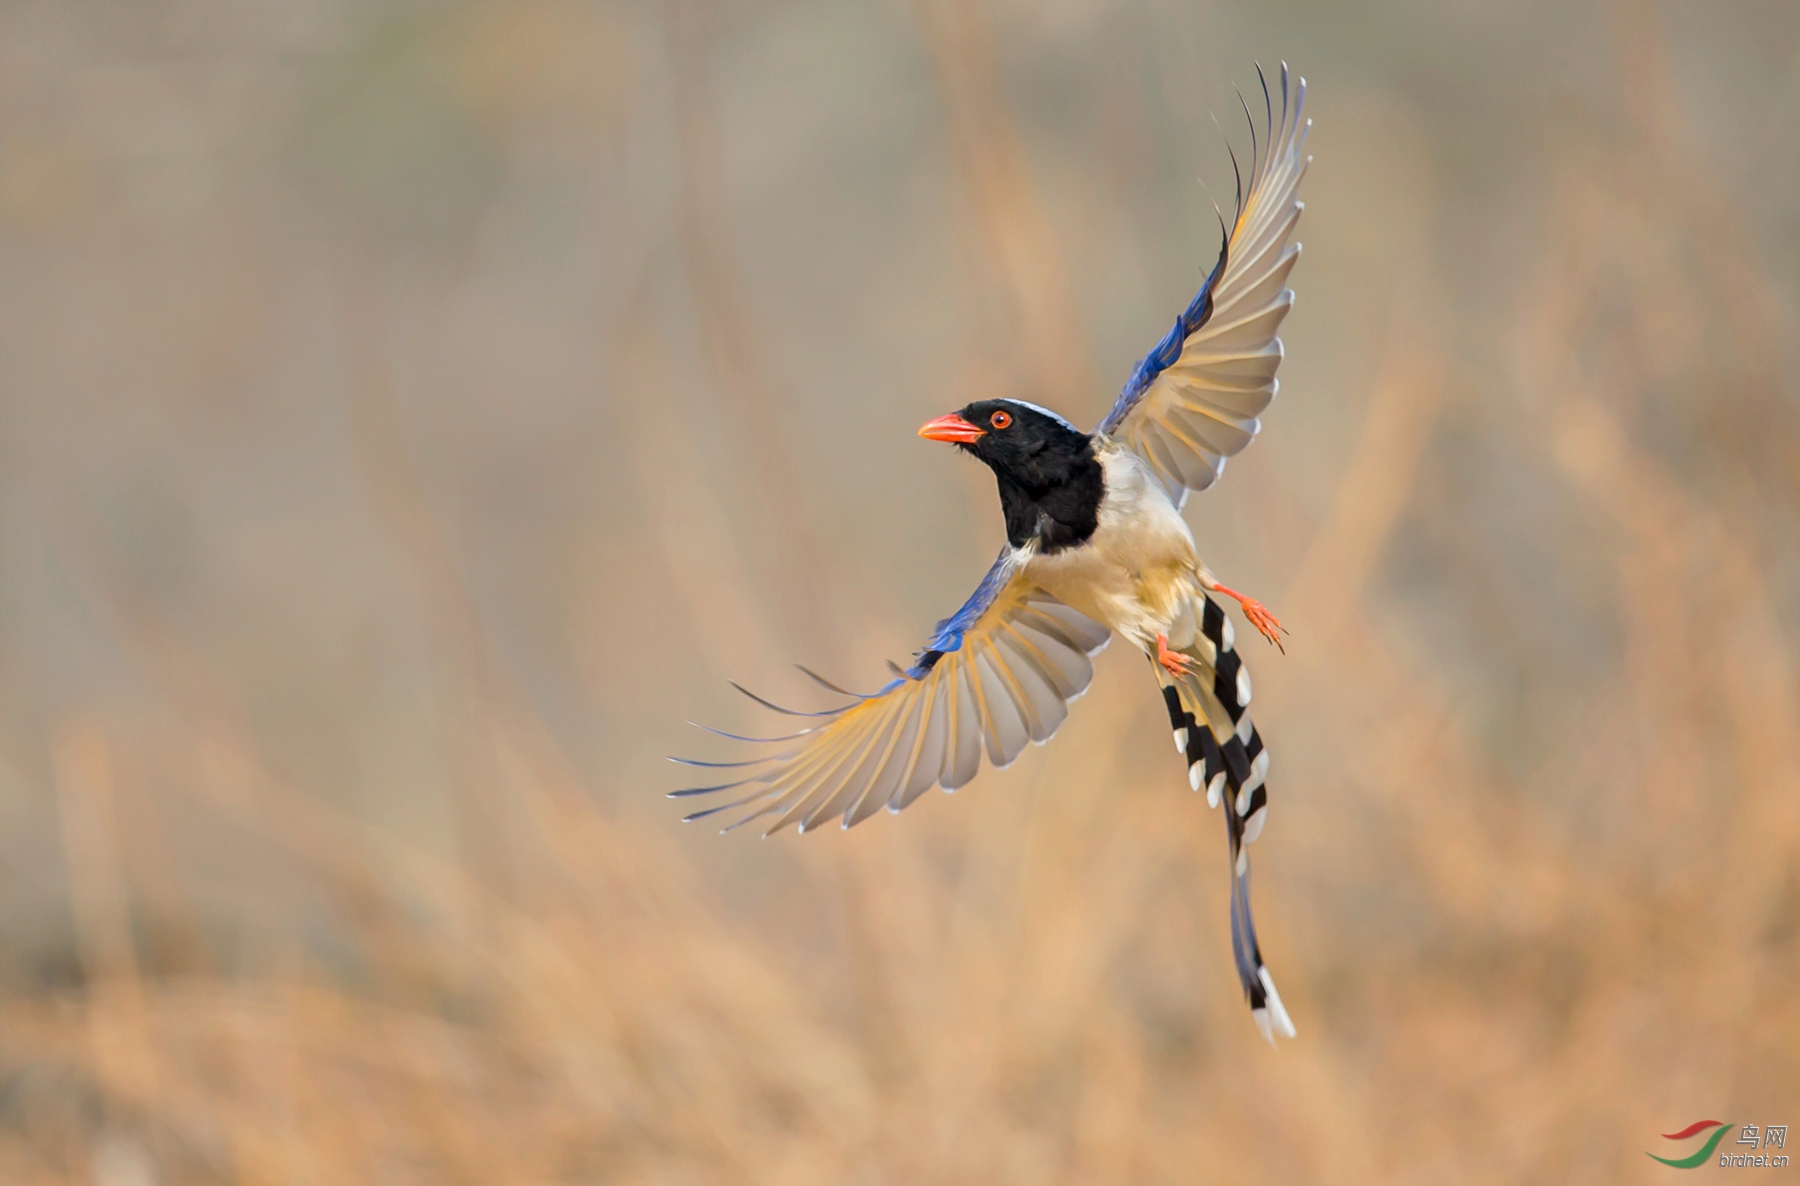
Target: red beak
952, 428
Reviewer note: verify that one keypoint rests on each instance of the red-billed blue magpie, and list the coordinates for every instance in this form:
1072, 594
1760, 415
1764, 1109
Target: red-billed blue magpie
1095, 544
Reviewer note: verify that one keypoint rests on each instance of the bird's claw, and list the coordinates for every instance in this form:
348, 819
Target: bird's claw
1267, 623
1173, 662
1259, 616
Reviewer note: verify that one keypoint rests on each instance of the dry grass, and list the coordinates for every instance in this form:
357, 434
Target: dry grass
352, 895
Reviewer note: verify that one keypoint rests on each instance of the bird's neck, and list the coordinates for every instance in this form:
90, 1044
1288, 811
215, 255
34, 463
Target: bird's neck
1061, 514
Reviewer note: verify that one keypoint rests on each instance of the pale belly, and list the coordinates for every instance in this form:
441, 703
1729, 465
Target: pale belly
1138, 573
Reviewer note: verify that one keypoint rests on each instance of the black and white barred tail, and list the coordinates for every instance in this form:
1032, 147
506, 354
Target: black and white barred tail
1209, 711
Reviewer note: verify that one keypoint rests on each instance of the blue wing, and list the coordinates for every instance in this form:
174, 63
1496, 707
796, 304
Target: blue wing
948, 635
1193, 402
999, 672
1165, 352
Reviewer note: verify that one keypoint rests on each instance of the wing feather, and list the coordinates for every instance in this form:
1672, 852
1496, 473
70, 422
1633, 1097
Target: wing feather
962, 757
928, 757
996, 675
1037, 700
1049, 702
1066, 668
892, 772
1191, 404
869, 754
1006, 731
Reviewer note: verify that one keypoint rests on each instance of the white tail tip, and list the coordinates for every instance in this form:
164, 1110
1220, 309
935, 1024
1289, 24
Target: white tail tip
1276, 1011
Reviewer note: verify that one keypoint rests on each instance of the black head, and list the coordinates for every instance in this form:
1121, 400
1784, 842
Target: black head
1050, 481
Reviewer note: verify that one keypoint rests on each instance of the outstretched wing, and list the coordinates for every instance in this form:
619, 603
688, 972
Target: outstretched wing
1193, 401
998, 673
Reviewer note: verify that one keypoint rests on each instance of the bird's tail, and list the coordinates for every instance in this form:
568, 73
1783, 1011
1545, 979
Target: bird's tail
1209, 709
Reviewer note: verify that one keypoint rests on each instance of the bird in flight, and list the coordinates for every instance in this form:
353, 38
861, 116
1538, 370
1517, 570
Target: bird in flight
1095, 543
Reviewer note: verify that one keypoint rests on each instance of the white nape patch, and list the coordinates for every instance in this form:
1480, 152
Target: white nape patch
1194, 773
1042, 411
1254, 825
1215, 789
1243, 685
1181, 741
1277, 1010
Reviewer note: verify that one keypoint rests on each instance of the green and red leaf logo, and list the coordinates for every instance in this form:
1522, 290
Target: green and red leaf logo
1699, 1156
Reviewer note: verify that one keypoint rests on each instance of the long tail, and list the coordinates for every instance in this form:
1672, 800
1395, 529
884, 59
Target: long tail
1209, 711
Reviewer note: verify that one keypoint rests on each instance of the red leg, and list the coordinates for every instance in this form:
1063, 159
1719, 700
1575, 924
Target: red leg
1173, 662
1259, 615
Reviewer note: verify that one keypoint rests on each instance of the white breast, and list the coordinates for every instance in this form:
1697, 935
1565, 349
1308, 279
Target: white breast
1136, 573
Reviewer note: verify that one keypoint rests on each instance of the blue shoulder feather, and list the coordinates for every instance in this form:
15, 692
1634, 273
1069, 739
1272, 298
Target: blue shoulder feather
948, 636
1163, 356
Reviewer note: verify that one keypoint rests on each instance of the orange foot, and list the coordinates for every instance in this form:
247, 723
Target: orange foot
1259, 616
1173, 662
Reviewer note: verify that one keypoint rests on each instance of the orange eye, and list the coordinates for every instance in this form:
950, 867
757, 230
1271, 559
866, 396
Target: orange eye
1000, 419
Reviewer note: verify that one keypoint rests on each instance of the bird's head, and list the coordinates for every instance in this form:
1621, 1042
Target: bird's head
1022, 443
1050, 480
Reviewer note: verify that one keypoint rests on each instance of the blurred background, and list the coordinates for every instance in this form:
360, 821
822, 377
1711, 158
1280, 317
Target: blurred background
412, 413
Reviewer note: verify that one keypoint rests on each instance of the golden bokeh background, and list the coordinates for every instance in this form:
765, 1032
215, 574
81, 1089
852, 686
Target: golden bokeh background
412, 413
